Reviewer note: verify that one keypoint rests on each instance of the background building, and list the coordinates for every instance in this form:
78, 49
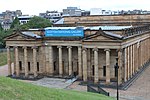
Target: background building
74, 11
24, 19
53, 16
7, 17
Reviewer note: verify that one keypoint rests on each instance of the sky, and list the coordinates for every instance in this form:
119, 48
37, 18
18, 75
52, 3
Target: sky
34, 7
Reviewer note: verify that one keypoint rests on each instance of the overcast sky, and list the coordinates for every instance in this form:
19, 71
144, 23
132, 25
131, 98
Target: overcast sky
34, 7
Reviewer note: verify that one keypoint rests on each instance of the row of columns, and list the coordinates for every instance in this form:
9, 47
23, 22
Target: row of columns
136, 55
69, 60
16, 61
82, 71
82, 62
96, 67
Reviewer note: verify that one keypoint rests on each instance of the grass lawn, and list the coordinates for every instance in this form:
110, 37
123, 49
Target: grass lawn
3, 58
11, 89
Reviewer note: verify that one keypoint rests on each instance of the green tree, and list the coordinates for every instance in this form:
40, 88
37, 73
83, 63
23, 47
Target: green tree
1, 28
3, 34
15, 24
36, 22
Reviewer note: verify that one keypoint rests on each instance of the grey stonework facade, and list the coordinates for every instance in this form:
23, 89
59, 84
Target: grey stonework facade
91, 57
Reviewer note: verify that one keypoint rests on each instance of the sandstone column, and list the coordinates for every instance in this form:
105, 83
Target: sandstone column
35, 61
80, 61
9, 61
128, 73
70, 59
131, 61
25, 61
51, 60
17, 61
60, 60
84, 53
96, 78
89, 71
107, 66
120, 66
125, 65
14, 60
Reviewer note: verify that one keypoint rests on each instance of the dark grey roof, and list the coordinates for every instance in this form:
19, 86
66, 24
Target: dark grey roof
31, 34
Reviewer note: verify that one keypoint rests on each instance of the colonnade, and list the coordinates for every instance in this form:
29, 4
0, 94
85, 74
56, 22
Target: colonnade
82, 62
25, 59
136, 55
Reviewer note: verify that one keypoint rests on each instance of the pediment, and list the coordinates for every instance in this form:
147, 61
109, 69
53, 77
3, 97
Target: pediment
102, 36
18, 36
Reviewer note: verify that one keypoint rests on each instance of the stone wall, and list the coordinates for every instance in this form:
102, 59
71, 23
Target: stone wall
107, 20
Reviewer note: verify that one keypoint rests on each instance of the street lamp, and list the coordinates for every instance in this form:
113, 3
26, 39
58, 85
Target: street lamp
117, 67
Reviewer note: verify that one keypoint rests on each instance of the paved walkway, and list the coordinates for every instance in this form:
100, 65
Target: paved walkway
4, 70
140, 90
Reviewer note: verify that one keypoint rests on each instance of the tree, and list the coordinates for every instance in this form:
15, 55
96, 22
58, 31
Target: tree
3, 34
1, 28
15, 24
36, 22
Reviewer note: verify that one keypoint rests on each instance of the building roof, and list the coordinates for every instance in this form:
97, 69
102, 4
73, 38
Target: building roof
61, 21
93, 27
31, 34
114, 35
107, 27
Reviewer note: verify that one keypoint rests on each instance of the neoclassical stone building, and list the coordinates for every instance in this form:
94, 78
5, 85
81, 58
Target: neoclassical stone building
91, 54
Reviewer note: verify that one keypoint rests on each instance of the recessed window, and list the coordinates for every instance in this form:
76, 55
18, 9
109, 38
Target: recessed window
20, 65
38, 69
93, 69
104, 70
54, 65
29, 67
115, 71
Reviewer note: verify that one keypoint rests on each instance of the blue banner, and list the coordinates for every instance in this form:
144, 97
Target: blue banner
64, 33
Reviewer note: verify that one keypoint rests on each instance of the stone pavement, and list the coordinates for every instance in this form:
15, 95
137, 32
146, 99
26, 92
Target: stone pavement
4, 70
139, 90
52, 83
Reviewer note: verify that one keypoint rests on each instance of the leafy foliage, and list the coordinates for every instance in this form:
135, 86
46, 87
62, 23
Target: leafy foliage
15, 24
1, 28
3, 34
36, 22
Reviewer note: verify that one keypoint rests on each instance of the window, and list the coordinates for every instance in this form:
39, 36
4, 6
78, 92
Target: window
115, 71
93, 69
54, 65
29, 68
38, 69
20, 65
104, 70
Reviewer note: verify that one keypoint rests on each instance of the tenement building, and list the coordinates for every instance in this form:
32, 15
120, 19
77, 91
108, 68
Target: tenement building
88, 52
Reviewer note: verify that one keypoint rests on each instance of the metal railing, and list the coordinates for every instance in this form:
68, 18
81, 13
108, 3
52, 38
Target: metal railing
96, 89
